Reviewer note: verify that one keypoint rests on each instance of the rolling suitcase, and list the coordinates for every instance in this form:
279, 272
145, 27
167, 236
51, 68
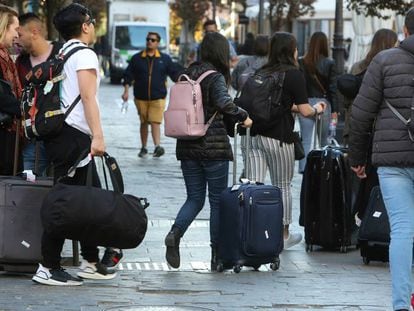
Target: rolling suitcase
20, 225
326, 198
374, 233
251, 224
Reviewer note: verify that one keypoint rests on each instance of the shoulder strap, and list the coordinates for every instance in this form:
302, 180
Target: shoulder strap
204, 75
65, 58
315, 76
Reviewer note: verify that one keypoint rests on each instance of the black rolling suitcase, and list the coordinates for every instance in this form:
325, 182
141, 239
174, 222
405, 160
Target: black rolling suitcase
251, 224
20, 225
326, 209
374, 233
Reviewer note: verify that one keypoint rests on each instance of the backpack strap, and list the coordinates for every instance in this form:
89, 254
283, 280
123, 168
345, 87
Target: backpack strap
201, 78
204, 75
65, 57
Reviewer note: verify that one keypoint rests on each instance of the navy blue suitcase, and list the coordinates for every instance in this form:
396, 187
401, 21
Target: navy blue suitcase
251, 225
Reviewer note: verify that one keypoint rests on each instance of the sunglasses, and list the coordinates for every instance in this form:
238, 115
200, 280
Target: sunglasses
91, 21
152, 40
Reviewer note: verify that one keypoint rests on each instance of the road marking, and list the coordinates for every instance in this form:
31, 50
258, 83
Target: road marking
186, 266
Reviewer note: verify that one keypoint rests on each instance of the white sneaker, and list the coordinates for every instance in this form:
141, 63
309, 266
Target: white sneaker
95, 271
56, 277
293, 239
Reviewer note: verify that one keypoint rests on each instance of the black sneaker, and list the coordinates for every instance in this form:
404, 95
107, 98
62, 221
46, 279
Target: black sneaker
95, 271
158, 151
56, 277
112, 258
143, 152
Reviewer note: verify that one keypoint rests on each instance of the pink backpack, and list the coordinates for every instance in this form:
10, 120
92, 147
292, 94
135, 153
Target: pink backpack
184, 118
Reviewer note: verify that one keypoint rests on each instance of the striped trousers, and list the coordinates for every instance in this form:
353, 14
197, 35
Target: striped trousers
267, 154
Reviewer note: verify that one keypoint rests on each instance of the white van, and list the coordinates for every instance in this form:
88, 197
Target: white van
127, 39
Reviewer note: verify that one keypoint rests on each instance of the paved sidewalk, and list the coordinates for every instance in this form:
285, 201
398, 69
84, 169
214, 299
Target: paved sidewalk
306, 281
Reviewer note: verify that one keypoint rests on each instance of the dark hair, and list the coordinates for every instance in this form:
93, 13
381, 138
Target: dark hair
261, 45
214, 49
155, 34
282, 52
208, 23
318, 47
28, 17
383, 39
69, 20
409, 21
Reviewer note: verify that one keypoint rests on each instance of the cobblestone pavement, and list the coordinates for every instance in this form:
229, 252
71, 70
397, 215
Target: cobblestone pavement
319, 280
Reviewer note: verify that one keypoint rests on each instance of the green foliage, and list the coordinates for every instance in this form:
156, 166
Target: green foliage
191, 11
373, 8
281, 13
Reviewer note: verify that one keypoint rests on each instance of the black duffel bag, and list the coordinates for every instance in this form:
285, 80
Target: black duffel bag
97, 216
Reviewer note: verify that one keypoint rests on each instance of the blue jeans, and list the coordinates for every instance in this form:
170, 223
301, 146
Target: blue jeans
197, 176
306, 129
397, 187
29, 155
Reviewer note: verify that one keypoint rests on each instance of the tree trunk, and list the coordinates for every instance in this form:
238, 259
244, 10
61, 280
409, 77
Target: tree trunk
188, 53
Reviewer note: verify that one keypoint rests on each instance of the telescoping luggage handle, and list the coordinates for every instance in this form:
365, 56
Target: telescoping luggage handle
247, 171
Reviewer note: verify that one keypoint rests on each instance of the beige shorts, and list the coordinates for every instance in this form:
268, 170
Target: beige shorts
150, 111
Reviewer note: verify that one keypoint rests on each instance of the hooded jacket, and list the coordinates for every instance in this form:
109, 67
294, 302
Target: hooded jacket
390, 76
215, 144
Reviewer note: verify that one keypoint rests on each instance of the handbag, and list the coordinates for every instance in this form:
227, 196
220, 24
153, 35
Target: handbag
5, 120
299, 150
93, 215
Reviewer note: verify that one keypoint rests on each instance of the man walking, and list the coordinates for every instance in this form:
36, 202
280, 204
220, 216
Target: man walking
384, 107
81, 131
36, 50
148, 71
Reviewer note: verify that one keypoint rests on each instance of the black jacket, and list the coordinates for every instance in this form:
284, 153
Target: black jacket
215, 144
326, 74
149, 75
390, 76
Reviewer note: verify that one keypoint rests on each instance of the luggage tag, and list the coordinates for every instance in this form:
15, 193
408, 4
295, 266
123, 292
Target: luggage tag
377, 214
235, 188
48, 87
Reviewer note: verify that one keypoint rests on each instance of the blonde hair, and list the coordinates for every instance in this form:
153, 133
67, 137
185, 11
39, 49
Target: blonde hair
6, 19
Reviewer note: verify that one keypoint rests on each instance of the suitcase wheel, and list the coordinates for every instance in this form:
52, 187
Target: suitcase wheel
256, 267
343, 249
309, 248
275, 265
237, 268
365, 260
220, 267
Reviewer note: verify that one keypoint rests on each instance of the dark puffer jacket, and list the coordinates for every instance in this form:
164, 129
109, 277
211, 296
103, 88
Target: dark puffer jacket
390, 76
215, 144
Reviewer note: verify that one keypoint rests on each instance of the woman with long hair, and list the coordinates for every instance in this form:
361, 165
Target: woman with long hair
205, 161
383, 39
275, 147
320, 75
10, 90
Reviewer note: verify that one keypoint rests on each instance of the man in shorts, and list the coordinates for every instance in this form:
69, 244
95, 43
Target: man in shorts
148, 71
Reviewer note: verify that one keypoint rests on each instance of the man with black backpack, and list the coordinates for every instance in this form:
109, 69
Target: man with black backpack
81, 131
36, 49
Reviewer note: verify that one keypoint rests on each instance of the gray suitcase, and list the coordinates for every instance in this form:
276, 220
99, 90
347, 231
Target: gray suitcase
20, 225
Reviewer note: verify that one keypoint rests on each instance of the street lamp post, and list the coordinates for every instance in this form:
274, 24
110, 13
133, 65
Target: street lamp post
260, 17
339, 57
213, 2
338, 49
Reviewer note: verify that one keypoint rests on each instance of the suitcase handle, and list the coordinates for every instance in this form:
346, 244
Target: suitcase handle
317, 128
236, 127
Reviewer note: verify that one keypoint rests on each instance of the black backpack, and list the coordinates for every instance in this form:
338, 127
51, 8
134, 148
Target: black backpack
261, 97
41, 102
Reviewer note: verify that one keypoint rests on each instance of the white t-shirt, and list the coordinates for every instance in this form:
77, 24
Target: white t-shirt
81, 60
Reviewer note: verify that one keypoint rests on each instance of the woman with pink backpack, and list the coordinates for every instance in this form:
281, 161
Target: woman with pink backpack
205, 161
